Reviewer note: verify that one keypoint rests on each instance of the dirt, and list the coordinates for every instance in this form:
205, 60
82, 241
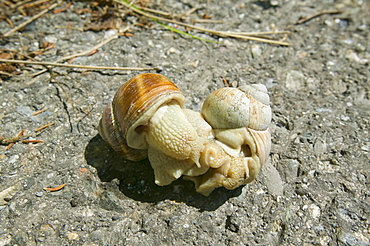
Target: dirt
314, 190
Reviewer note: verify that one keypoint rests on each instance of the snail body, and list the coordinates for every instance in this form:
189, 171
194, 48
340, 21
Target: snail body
224, 145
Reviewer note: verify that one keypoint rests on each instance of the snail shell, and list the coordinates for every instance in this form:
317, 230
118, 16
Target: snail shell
124, 121
246, 106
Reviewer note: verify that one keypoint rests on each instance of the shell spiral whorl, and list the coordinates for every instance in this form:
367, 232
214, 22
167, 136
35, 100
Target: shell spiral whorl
246, 106
123, 121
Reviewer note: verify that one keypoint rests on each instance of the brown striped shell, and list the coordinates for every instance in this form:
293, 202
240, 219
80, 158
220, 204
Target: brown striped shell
123, 123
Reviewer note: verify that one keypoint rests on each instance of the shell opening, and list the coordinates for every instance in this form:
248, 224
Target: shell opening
140, 129
246, 150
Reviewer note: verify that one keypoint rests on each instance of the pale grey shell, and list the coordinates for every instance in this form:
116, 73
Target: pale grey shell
247, 106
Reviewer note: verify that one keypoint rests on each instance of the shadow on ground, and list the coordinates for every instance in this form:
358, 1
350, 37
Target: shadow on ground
137, 179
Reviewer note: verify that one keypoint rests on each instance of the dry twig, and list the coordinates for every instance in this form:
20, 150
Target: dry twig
16, 5
32, 141
218, 33
305, 19
17, 28
56, 188
77, 66
39, 112
225, 82
87, 52
83, 53
44, 126
21, 137
10, 141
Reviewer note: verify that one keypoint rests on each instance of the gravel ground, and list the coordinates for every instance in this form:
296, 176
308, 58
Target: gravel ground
314, 190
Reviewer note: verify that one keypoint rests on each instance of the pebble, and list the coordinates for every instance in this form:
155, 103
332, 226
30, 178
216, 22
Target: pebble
5, 239
291, 169
295, 80
28, 111
328, 23
320, 147
7, 194
352, 56
25, 110
38, 194
13, 159
73, 236
366, 147
256, 50
274, 2
314, 211
172, 50
273, 180
51, 39
324, 110
347, 238
110, 33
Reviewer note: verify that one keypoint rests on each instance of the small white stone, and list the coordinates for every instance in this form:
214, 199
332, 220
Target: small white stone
330, 63
366, 147
345, 118
5, 239
314, 211
227, 43
194, 63
295, 80
51, 39
256, 50
260, 191
172, 50
73, 236
352, 56
274, 2
110, 33
328, 23
13, 159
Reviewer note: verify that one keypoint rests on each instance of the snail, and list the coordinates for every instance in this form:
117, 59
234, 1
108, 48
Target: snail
146, 119
224, 145
240, 119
